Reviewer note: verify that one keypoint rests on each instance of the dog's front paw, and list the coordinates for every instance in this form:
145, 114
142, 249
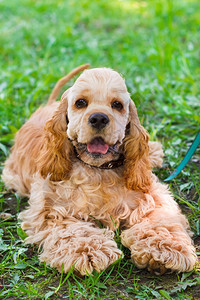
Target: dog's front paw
158, 261
84, 248
160, 248
95, 255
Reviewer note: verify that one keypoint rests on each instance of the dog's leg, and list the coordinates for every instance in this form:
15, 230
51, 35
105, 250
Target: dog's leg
156, 154
14, 179
81, 245
75, 243
160, 239
66, 241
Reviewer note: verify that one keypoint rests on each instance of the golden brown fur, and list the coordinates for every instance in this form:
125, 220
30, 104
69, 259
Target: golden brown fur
57, 160
137, 155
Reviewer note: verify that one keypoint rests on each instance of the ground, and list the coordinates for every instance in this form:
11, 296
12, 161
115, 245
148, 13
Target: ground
155, 46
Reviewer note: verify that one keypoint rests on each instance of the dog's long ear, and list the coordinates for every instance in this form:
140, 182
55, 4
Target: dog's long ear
56, 151
137, 168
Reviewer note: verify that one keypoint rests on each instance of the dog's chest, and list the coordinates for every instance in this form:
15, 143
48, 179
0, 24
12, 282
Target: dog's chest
95, 192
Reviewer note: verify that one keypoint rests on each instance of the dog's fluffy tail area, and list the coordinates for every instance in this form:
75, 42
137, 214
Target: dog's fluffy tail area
62, 81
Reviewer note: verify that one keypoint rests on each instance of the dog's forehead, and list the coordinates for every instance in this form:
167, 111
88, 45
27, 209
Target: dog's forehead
100, 81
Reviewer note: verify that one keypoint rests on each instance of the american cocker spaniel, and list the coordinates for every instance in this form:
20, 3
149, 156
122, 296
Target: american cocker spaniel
87, 159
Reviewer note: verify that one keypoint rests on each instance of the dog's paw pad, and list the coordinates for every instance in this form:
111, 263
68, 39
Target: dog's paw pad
156, 267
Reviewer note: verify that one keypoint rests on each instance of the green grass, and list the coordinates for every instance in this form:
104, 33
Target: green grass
155, 45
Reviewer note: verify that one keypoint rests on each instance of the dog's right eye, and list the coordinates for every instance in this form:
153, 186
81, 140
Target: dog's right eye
81, 103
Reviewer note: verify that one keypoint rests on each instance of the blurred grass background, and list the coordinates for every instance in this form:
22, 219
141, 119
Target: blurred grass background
155, 46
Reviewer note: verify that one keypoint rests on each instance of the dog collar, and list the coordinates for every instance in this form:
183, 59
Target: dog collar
112, 164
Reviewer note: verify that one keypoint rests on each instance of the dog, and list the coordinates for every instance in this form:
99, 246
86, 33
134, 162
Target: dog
87, 159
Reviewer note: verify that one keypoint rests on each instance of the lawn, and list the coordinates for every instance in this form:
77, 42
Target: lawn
155, 45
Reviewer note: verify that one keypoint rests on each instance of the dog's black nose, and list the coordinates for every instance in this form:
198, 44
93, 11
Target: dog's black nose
98, 120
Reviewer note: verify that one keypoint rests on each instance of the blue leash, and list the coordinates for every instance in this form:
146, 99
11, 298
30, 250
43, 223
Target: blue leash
186, 158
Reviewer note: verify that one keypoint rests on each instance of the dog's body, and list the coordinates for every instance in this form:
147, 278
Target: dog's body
95, 165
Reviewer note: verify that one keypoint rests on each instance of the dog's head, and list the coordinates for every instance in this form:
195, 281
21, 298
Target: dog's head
98, 122
98, 110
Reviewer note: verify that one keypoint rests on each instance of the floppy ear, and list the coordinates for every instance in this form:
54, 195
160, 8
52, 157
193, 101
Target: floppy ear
56, 152
137, 168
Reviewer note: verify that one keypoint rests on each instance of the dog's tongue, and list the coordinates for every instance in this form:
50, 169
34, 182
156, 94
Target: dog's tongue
97, 146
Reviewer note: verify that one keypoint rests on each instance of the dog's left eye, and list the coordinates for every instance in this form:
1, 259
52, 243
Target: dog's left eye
81, 103
117, 105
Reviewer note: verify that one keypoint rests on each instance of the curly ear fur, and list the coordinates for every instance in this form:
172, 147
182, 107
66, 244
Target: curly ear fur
137, 169
56, 153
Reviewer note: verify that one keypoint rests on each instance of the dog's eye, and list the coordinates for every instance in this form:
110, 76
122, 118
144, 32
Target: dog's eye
117, 105
81, 103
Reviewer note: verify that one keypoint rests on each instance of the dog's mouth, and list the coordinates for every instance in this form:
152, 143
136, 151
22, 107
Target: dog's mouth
98, 146
98, 152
